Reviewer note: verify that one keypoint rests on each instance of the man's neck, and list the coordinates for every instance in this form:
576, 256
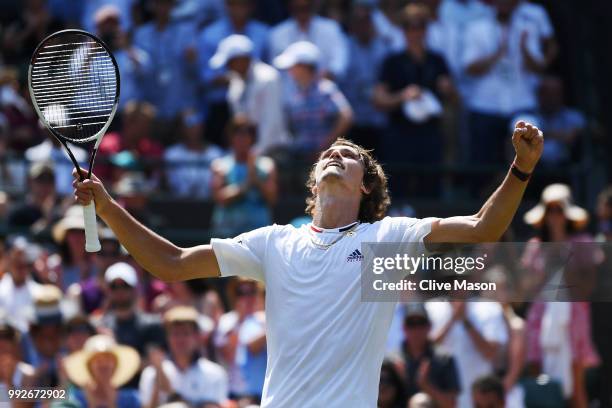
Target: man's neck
239, 25
335, 211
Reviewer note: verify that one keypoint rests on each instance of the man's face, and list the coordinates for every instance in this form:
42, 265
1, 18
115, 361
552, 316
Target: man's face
121, 295
486, 400
239, 65
47, 339
18, 266
301, 9
416, 330
239, 10
182, 338
340, 163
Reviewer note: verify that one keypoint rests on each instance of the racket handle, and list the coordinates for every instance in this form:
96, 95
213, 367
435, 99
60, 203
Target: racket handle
92, 243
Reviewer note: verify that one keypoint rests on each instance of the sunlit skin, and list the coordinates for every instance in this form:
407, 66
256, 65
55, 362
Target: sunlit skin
102, 366
183, 342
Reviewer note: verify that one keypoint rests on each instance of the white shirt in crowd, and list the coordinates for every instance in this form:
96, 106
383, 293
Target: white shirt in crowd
323, 32
203, 381
188, 171
508, 87
325, 346
487, 318
260, 97
18, 301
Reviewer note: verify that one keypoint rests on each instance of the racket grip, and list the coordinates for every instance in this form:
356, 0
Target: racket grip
92, 242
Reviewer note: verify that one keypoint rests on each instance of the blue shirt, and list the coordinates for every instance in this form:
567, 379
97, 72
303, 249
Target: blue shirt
173, 85
126, 398
134, 74
210, 38
361, 77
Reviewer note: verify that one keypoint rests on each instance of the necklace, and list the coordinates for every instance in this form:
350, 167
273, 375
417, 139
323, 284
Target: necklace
347, 232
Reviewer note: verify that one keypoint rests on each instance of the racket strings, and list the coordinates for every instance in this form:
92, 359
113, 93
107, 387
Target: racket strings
74, 83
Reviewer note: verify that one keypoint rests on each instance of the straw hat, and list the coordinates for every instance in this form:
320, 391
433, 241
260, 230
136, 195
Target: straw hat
561, 195
77, 363
72, 220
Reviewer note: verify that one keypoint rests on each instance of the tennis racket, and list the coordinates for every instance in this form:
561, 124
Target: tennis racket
73, 80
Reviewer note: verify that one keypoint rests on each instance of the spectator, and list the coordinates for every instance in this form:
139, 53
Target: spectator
171, 46
92, 7
39, 209
135, 65
427, 370
535, 12
391, 390
129, 325
100, 369
367, 50
135, 138
326, 34
17, 287
14, 372
239, 20
188, 162
488, 392
386, 22
46, 332
411, 83
133, 192
183, 374
241, 338
317, 112
251, 83
559, 333
473, 332
244, 184
501, 56
562, 125
69, 234
78, 329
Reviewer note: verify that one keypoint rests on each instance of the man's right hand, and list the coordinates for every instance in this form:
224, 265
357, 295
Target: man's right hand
85, 191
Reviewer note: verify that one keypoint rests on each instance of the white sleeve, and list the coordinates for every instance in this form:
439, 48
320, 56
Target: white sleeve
145, 387
243, 255
476, 44
222, 385
492, 327
406, 229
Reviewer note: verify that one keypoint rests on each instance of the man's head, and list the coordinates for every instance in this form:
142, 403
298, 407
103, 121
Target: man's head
42, 181
361, 25
108, 24
505, 8
19, 265
182, 330
47, 327
302, 10
162, 9
416, 325
239, 11
357, 171
193, 128
414, 19
302, 60
242, 135
243, 295
551, 94
137, 120
488, 392
121, 279
236, 53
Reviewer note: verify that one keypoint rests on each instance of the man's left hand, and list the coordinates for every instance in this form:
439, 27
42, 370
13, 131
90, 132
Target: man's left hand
528, 142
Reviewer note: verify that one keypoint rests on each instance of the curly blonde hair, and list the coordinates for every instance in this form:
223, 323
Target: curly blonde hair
374, 205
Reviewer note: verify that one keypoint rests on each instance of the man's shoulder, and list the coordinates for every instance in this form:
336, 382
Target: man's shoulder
211, 370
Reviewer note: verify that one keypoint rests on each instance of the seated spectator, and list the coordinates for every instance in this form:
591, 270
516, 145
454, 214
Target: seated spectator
183, 374
502, 56
187, 163
69, 234
473, 332
135, 65
14, 372
563, 126
100, 369
488, 392
244, 184
305, 25
251, 82
40, 207
122, 317
317, 112
216, 79
172, 46
367, 51
135, 138
427, 370
77, 330
46, 333
241, 339
17, 287
391, 388
410, 86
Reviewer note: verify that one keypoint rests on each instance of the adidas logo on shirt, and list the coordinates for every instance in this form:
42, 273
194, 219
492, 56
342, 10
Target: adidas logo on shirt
355, 256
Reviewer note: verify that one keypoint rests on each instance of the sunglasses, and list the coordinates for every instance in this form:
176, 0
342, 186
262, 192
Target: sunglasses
119, 285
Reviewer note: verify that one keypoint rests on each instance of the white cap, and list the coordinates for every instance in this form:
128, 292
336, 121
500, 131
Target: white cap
301, 52
235, 45
123, 271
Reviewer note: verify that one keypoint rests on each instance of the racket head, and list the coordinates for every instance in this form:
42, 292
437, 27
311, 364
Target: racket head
74, 83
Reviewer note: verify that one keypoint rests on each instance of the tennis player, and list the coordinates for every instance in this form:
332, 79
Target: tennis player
325, 346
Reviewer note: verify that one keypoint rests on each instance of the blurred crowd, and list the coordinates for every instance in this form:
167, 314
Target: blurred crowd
220, 99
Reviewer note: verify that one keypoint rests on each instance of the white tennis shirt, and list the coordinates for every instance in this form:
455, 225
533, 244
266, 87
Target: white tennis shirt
325, 346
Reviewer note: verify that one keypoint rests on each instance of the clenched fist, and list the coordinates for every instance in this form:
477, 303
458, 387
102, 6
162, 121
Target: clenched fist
528, 142
91, 189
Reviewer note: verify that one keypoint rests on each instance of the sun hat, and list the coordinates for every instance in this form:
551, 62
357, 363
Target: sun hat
72, 220
235, 45
301, 52
181, 314
561, 195
77, 363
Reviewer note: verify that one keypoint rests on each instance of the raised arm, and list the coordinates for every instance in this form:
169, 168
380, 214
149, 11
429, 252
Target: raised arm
496, 214
155, 254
